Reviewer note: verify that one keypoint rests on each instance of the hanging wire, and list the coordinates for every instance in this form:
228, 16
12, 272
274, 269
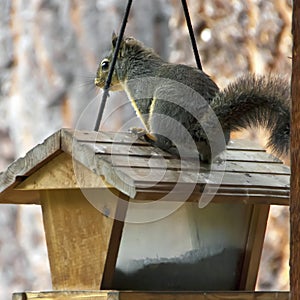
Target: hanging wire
191, 32
112, 66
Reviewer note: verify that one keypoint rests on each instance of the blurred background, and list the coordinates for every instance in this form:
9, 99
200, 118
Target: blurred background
49, 52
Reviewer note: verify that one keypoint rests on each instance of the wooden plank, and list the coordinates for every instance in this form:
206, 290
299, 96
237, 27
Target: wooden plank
254, 246
68, 295
251, 156
101, 167
150, 151
157, 195
114, 244
129, 138
255, 199
123, 295
11, 196
59, 174
33, 160
127, 150
134, 295
244, 144
140, 175
78, 237
216, 198
114, 175
223, 189
177, 164
125, 143
62, 172
295, 159
107, 137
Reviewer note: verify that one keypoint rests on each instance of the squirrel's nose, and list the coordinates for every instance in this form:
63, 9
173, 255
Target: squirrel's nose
97, 82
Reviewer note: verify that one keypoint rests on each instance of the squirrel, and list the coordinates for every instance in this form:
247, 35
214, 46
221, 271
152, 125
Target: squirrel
168, 96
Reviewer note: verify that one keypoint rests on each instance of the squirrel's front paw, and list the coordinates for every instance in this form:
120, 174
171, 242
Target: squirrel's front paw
142, 133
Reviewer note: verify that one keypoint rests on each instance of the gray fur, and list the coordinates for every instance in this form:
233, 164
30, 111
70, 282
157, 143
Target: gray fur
187, 96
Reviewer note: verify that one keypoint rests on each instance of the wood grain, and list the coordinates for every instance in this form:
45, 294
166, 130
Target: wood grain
295, 159
68, 295
127, 295
82, 163
25, 166
114, 243
78, 237
62, 172
204, 296
262, 167
254, 246
141, 175
149, 151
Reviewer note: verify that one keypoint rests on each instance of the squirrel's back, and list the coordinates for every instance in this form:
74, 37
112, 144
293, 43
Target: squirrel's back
137, 61
191, 77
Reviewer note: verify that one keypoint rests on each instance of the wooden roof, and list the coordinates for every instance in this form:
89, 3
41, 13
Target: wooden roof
120, 161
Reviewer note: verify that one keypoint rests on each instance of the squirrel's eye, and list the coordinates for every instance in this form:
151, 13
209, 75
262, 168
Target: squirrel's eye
105, 65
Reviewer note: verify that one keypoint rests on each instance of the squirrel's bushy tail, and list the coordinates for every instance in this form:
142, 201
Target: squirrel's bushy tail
257, 101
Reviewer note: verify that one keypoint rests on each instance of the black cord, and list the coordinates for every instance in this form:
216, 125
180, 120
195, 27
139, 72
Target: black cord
112, 66
191, 32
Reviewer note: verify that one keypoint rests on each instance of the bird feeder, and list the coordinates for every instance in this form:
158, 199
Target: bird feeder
124, 216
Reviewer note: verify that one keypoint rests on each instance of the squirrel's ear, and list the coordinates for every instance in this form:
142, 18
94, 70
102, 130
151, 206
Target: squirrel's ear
114, 38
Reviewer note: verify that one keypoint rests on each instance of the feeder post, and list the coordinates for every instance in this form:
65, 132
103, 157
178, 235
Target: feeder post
295, 159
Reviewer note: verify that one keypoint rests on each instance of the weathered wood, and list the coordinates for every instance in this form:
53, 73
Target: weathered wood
244, 144
204, 296
295, 159
176, 164
131, 139
27, 165
12, 196
223, 189
253, 156
101, 167
254, 246
114, 170
59, 174
149, 151
141, 175
78, 237
83, 243
68, 295
217, 198
114, 244
127, 295
62, 172
107, 137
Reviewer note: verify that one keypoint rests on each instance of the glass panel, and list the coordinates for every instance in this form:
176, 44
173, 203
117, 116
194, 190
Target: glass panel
191, 249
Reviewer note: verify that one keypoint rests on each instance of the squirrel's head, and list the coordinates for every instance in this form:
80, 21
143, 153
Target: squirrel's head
131, 47
130, 50
103, 70
102, 73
